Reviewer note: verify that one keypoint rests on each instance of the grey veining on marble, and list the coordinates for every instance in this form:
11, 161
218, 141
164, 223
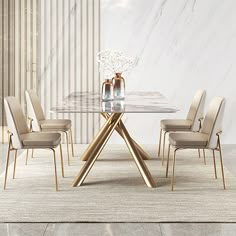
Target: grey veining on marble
204, 229
117, 229
134, 102
22, 229
104, 229
179, 46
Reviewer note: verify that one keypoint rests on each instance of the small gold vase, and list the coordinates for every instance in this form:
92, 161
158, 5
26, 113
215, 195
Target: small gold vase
118, 87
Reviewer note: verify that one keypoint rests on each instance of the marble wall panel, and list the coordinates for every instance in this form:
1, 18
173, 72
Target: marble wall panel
179, 46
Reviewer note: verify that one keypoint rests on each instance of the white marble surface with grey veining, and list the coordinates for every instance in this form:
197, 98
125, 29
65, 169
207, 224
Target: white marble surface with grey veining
134, 102
179, 47
117, 229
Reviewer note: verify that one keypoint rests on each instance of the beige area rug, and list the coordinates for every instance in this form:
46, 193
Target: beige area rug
115, 192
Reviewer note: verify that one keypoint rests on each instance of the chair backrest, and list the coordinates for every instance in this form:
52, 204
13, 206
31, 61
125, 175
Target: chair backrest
213, 120
34, 109
15, 120
196, 109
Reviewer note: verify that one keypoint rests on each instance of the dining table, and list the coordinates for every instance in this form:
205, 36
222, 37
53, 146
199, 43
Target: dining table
113, 111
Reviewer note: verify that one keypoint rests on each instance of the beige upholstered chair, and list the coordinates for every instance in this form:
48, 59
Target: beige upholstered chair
191, 123
39, 123
207, 138
21, 138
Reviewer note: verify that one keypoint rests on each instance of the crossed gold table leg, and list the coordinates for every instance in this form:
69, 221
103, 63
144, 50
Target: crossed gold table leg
142, 153
86, 154
91, 154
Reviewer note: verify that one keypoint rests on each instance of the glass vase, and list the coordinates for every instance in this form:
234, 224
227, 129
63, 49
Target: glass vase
107, 106
107, 90
118, 87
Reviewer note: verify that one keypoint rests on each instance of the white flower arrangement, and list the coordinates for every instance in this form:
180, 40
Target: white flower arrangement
112, 62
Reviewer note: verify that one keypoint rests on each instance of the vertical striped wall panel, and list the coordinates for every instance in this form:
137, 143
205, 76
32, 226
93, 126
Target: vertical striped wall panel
70, 40
50, 46
18, 50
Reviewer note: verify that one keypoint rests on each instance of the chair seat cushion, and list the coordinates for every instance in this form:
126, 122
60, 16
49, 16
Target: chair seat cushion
55, 125
40, 140
188, 139
176, 125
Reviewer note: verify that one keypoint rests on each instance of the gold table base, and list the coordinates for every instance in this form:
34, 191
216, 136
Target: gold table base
114, 122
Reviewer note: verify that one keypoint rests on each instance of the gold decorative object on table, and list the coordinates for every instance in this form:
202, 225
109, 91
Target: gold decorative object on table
118, 86
107, 90
113, 64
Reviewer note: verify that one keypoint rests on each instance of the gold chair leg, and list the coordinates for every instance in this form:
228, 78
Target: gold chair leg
204, 155
214, 161
168, 160
55, 168
67, 144
95, 148
173, 173
222, 164
159, 146
14, 169
138, 160
32, 153
72, 143
199, 153
7, 163
62, 163
163, 151
26, 157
